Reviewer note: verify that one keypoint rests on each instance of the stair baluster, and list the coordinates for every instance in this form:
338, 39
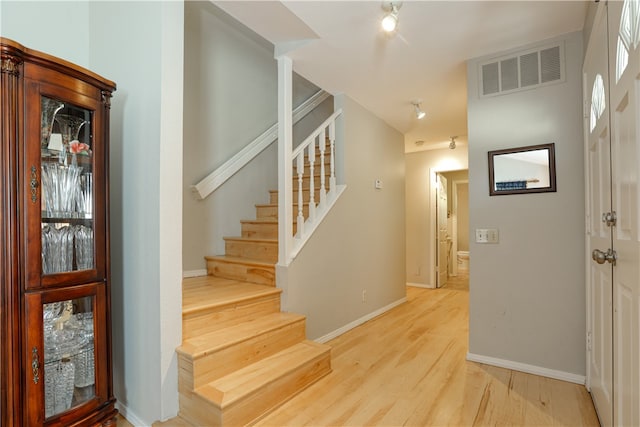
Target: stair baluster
322, 141
312, 190
300, 171
332, 140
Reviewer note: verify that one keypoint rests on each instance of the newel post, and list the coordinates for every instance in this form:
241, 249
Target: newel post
285, 148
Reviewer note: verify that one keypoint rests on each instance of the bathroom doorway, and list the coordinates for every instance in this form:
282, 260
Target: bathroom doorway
456, 257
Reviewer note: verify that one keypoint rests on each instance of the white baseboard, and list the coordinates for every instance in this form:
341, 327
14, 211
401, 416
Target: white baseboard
194, 273
421, 285
360, 321
130, 416
529, 369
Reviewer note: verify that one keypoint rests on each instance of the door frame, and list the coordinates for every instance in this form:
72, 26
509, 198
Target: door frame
433, 235
454, 246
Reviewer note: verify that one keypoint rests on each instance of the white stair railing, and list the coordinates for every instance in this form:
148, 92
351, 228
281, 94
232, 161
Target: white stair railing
218, 177
319, 147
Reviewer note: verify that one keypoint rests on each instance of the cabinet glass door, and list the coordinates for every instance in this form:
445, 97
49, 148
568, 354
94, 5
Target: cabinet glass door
69, 354
67, 193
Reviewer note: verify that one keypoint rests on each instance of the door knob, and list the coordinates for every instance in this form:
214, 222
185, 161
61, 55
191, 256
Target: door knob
601, 257
610, 218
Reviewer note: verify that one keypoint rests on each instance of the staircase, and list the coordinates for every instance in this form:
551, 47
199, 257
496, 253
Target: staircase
241, 357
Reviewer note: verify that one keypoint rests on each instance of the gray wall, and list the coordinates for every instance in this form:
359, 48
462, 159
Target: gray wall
360, 245
139, 46
230, 98
420, 208
527, 293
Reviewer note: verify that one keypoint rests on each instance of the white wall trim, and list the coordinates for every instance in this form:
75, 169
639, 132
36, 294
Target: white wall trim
311, 226
130, 416
219, 176
194, 273
421, 285
529, 369
360, 321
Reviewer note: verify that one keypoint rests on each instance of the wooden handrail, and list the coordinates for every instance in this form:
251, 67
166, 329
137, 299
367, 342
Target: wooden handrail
219, 176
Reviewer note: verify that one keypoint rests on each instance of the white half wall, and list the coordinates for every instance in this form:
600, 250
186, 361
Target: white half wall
360, 246
527, 293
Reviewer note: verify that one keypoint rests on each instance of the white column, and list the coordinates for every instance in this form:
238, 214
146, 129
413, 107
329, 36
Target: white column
285, 160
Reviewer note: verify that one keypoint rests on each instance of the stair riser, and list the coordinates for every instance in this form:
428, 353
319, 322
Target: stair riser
263, 251
271, 212
306, 179
198, 411
221, 317
220, 363
260, 230
269, 398
246, 273
273, 196
201, 412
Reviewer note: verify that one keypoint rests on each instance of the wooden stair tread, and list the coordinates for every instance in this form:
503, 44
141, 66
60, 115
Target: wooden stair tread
231, 388
275, 205
249, 239
204, 292
259, 221
238, 260
208, 343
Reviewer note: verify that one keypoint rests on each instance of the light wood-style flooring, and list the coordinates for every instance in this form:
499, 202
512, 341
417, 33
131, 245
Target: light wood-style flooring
408, 368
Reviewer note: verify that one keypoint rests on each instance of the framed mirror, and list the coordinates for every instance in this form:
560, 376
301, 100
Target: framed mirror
522, 170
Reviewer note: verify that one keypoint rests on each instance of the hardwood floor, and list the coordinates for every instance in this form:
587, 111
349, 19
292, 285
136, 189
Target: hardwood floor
408, 368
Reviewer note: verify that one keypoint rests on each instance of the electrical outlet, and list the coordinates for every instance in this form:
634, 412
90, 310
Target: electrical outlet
378, 184
364, 296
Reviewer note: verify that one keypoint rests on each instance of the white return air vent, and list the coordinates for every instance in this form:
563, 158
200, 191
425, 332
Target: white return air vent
522, 70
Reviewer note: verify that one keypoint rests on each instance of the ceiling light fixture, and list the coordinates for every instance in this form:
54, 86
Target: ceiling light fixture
390, 19
452, 144
419, 113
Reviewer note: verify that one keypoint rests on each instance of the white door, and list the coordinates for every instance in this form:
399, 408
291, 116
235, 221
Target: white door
443, 235
624, 71
599, 276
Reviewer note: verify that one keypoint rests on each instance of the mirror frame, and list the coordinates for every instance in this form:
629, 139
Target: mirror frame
552, 170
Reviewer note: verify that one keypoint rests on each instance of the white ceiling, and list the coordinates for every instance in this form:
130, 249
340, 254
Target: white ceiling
344, 51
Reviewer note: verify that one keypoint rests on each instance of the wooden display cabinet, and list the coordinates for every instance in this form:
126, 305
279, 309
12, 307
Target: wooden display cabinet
55, 320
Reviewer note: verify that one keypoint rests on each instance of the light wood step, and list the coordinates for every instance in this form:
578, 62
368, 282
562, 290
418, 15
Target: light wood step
306, 179
246, 270
257, 249
273, 195
210, 356
210, 303
252, 392
270, 210
260, 228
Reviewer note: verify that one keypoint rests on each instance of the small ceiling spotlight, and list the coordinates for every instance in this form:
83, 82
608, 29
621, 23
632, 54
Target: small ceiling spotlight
419, 113
452, 144
390, 19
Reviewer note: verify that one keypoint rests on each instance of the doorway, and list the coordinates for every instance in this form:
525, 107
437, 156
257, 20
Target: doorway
452, 225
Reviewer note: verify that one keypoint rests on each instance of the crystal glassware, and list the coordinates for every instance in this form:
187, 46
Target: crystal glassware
49, 109
70, 128
85, 196
84, 247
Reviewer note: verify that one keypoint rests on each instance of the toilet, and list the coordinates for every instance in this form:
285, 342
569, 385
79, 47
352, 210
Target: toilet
463, 260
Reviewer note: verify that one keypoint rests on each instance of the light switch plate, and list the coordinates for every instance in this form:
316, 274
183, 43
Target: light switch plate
487, 235
378, 184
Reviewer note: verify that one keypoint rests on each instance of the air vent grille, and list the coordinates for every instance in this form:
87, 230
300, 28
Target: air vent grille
523, 70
